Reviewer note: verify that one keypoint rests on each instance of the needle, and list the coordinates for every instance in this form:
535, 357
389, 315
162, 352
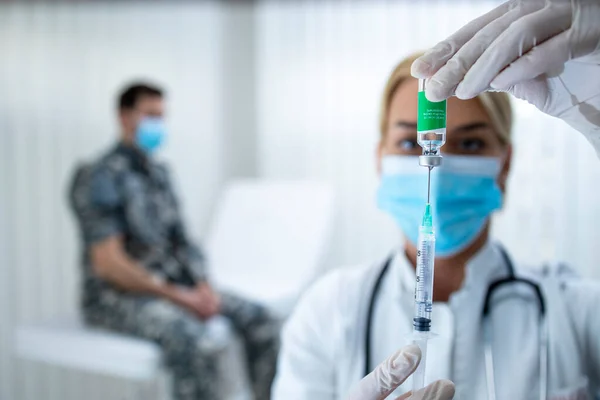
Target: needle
428, 183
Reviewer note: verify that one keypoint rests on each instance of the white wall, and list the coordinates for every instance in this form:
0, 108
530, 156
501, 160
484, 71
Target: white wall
321, 71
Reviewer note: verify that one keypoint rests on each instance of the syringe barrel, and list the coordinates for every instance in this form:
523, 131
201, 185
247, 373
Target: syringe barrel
424, 284
431, 123
418, 376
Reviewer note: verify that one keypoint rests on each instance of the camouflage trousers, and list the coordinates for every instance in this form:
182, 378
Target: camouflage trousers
186, 349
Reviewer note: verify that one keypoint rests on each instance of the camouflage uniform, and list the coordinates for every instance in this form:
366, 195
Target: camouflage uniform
127, 194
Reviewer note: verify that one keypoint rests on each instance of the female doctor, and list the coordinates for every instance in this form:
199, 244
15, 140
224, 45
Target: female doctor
504, 331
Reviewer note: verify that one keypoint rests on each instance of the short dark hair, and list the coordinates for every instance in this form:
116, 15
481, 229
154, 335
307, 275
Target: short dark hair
132, 93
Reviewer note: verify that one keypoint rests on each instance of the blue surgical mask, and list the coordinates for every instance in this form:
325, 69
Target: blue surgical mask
150, 134
464, 193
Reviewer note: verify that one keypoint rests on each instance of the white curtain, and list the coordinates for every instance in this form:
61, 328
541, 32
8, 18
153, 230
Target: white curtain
61, 70
321, 71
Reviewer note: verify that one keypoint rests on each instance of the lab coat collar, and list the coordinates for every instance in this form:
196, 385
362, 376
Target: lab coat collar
486, 265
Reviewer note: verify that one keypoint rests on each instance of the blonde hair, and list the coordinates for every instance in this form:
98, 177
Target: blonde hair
496, 104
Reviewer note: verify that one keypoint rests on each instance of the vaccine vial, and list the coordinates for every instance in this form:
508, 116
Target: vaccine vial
431, 127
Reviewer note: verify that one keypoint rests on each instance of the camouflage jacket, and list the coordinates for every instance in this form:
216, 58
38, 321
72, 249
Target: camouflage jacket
130, 195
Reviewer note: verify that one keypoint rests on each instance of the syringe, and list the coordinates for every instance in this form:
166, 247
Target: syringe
423, 293
431, 136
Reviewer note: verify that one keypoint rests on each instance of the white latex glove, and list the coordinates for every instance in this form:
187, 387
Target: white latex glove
392, 372
546, 52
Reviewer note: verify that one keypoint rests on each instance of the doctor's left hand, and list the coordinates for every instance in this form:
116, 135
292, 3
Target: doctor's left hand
392, 372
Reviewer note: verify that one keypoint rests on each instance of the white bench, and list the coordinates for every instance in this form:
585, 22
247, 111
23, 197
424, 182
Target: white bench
267, 243
268, 239
68, 343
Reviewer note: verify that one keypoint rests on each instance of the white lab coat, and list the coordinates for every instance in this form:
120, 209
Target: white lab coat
322, 355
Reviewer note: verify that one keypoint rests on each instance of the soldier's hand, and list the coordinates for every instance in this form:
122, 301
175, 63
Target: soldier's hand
209, 297
192, 301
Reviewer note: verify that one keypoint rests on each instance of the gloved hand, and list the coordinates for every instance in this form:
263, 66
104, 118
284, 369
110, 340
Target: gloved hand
392, 372
546, 52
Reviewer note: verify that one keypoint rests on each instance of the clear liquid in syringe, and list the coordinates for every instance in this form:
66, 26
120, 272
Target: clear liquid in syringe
424, 272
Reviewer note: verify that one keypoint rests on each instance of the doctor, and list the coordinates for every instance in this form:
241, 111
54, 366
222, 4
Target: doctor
505, 331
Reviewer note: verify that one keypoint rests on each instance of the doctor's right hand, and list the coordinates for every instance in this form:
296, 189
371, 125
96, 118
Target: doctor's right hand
546, 52
393, 372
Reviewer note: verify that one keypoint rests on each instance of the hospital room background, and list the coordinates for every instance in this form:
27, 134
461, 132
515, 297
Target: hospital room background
261, 95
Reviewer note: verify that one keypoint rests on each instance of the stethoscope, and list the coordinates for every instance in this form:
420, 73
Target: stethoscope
511, 278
